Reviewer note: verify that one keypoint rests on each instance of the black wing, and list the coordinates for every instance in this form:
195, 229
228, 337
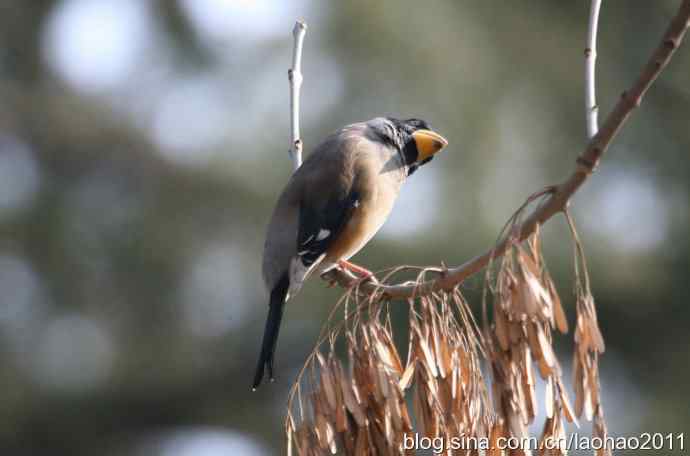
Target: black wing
318, 228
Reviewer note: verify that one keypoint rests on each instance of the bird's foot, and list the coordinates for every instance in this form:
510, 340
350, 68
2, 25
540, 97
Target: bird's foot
363, 273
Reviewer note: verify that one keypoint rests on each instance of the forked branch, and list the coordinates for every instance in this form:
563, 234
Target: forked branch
561, 194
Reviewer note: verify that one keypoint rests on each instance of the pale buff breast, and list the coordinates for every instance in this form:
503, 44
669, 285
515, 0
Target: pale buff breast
367, 218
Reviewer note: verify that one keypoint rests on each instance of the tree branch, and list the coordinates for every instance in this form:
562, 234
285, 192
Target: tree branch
586, 163
295, 80
591, 108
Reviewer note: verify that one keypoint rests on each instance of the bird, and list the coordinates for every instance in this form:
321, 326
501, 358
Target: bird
333, 205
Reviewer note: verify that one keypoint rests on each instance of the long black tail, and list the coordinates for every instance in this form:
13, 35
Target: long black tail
275, 315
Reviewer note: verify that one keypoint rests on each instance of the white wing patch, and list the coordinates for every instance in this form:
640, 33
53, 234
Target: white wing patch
323, 234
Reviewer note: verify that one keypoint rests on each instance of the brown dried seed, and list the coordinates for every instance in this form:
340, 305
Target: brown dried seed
393, 407
501, 328
387, 351
418, 407
530, 400
435, 344
496, 433
527, 262
527, 364
528, 384
426, 356
533, 340
515, 332
517, 305
558, 313
464, 366
535, 244
330, 437
352, 404
303, 437
379, 439
595, 334
445, 393
328, 384
325, 434
362, 445
580, 329
544, 370
388, 430
601, 432
407, 376
405, 414
443, 357
521, 406
565, 402
577, 368
517, 426
546, 349
536, 293
290, 436
341, 422
383, 382
593, 382
579, 399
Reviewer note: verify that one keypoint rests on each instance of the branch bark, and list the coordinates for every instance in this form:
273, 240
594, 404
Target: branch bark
295, 80
586, 163
591, 108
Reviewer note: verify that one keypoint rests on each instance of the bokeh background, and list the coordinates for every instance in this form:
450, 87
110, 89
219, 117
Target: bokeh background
143, 144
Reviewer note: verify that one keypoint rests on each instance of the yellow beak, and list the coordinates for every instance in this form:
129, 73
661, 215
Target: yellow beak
428, 143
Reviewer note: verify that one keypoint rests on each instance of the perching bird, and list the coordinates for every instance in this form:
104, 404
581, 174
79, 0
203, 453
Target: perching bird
334, 204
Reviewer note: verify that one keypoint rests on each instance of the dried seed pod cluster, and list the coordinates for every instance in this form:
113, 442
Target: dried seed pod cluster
363, 410
526, 308
449, 399
589, 344
360, 410
374, 402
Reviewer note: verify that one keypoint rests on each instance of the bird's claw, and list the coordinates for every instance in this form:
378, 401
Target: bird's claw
365, 278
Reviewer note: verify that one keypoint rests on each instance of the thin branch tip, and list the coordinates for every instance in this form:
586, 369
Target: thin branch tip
295, 80
591, 113
586, 163
300, 25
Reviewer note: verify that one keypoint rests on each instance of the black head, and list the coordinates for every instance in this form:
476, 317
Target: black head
414, 139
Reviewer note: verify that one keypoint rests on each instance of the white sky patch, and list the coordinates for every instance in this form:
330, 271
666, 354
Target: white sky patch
252, 20
268, 97
630, 211
220, 117
513, 160
418, 205
205, 441
20, 177
74, 353
192, 119
213, 299
22, 301
95, 45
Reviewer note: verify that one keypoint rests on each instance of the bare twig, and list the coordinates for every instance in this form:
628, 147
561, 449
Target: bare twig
558, 201
295, 79
591, 108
